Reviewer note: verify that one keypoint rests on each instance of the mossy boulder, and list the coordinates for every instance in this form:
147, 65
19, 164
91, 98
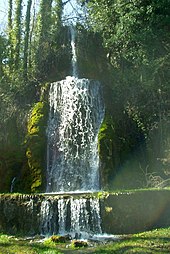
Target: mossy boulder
79, 244
60, 238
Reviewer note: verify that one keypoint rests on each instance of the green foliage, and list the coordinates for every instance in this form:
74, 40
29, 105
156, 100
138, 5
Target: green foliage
156, 241
136, 37
4, 239
43, 24
49, 243
47, 42
43, 38
135, 30
19, 89
30, 38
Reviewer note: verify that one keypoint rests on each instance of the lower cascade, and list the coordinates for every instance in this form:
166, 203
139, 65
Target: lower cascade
78, 217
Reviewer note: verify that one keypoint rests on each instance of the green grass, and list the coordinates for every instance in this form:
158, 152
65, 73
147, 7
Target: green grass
156, 241
14, 245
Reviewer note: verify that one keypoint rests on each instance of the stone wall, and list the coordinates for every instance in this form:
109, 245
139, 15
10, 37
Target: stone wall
19, 214
133, 212
121, 213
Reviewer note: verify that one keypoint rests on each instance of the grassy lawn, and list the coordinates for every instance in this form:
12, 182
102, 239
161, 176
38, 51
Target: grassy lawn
156, 241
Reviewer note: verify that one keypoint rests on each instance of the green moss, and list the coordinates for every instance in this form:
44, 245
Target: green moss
106, 138
103, 194
36, 144
49, 243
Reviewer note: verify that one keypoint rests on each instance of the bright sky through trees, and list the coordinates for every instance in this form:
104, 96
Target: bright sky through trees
3, 13
71, 12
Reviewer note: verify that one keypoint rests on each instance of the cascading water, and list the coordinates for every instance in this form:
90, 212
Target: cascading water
79, 217
13, 184
76, 113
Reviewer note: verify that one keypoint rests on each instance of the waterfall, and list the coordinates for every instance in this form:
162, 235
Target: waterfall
12, 184
62, 215
76, 112
78, 217
73, 47
75, 115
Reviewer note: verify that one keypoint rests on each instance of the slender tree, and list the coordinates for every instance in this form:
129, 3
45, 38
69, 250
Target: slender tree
43, 37
10, 56
31, 41
26, 39
17, 32
56, 23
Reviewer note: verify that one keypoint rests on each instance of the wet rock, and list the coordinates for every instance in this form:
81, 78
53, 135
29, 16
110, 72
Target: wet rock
79, 244
60, 239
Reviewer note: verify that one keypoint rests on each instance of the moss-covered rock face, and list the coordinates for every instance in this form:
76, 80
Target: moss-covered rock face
105, 147
92, 61
36, 145
118, 140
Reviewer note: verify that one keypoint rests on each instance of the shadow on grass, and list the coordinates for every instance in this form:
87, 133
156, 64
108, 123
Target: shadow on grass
132, 249
138, 245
